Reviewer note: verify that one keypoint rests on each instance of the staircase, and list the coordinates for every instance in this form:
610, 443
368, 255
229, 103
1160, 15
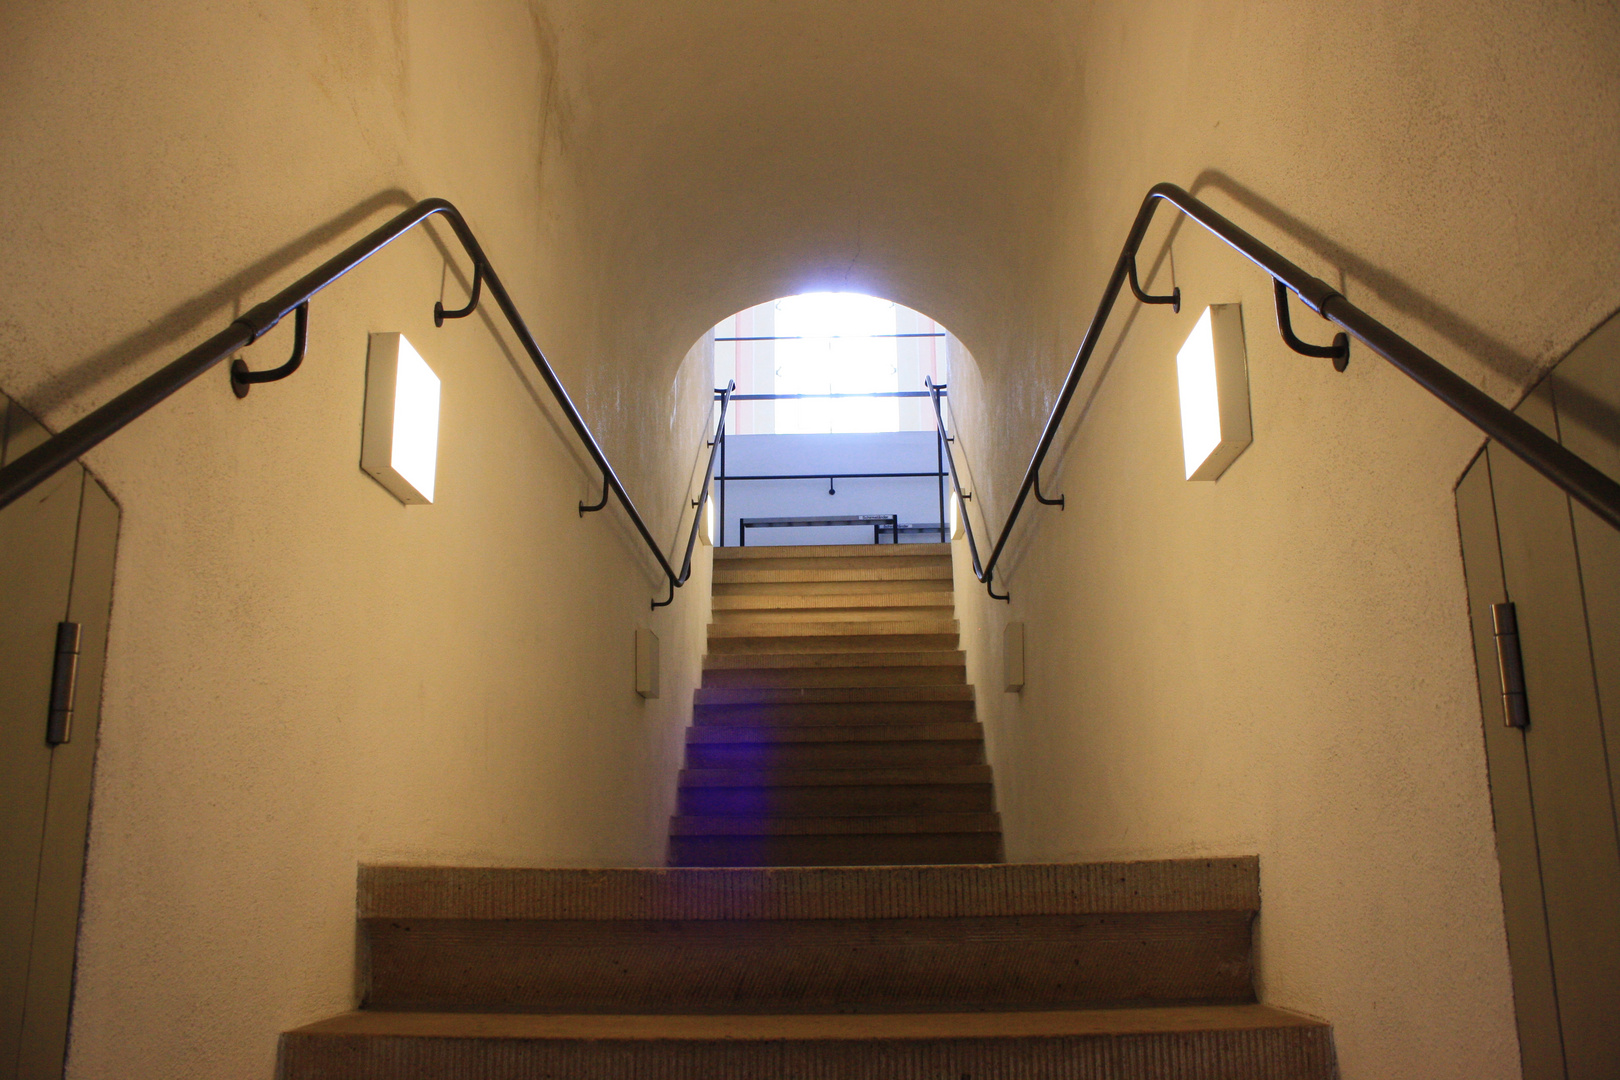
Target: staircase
834, 737
834, 726
1125, 971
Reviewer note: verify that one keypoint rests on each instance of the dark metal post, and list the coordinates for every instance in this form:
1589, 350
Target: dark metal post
722, 487
939, 463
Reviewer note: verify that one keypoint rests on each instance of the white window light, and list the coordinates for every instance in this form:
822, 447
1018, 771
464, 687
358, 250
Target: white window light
399, 443
1213, 375
957, 527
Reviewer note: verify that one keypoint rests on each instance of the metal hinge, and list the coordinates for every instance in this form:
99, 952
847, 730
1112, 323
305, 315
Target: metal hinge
64, 681
1510, 665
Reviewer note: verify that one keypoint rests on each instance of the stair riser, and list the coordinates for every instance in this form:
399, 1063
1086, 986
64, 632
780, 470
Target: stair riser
1291, 1053
869, 755
888, 712
928, 675
751, 622
861, 590
878, 643
898, 776
723, 735
815, 661
897, 799
734, 627
821, 965
896, 850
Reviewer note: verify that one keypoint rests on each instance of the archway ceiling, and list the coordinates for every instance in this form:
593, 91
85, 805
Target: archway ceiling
724, 153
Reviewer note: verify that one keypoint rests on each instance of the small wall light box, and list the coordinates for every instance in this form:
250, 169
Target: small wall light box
399, 443
646, 663
956, 526
706, 530
1012, 657
1213, 374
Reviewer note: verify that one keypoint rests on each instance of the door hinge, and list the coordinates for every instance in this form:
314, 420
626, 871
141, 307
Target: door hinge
64, 682
1510, 665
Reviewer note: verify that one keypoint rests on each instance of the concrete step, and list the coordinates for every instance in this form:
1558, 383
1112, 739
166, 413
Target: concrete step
700, 800
832, 713
739, 627
1230, 1042
867, 938
744, 623
726, 734
776, 695
852, 606
809, 777
892, 675
897, 849
835, 755
858, 591
733, 645
821, 659
843, 825
932, 569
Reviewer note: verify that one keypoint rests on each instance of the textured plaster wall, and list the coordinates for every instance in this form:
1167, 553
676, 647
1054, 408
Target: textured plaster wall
1279, 662
303, 674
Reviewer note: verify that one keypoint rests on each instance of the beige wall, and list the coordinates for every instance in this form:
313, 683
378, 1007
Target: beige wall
304, 674
1279, 662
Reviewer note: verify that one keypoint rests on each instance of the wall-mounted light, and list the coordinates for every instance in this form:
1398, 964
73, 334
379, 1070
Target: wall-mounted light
399, 444
646, 663
1012, 657
1213, 374
706, 529
956, 525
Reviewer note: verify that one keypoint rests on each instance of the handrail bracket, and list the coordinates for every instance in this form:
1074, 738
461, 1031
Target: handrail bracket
440, 314
1174, 299
1338, 352
1042, 499
242, 379
607, 486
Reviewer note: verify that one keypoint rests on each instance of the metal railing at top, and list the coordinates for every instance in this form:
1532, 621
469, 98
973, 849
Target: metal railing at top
20, 476
939, 474
1579, 478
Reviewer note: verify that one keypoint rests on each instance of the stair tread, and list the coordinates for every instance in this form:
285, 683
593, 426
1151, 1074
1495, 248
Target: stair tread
841, 825
812, 627
941, 891
792, 695
723, 717
782, 604
873, 658
1056, 1023
827, 733
790, 776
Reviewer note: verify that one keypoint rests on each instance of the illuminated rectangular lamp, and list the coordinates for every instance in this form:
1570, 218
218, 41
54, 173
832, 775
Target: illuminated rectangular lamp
399, 443
1213, 374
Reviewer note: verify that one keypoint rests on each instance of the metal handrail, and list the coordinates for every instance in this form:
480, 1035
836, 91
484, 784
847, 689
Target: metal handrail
962, 497
715, 444
1579, 478
19, 477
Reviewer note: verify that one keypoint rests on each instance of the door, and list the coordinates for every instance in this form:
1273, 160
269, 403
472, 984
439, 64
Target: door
1554, 781
56, 560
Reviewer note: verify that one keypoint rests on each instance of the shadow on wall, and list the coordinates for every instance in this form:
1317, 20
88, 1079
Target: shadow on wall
1488, 350
170, 328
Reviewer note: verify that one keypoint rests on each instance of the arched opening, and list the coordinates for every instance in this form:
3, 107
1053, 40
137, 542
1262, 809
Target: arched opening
831, 436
